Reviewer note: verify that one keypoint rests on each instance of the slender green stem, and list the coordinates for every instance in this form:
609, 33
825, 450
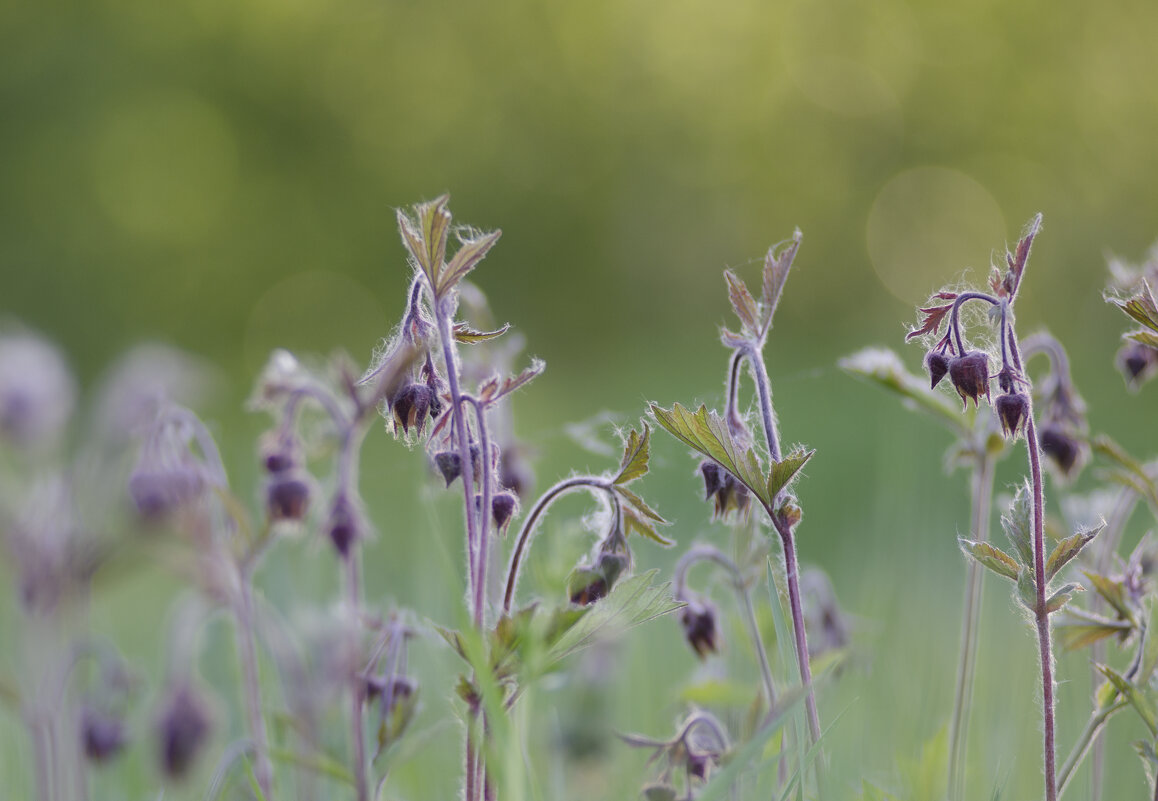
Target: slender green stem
1089, 736
247, 648
982, 491
357, 684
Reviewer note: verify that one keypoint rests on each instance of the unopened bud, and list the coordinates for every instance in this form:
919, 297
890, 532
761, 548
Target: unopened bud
102, 734
937, 364
970, 376
287, 497
586, 585
713, 477
343, 525
1011, 410
1062, 448
182, 731
158, 491
1138, 363
698, 619
503, 506
411, 406
659, 792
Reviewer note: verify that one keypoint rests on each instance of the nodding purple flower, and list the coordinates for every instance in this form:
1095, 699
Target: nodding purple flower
102, 734
1012, 409
698, 619
1064, 450
37, 391
287, 496
343, 525
970, 376
729, 494
169, 474
713, 476
1138, 363
503, 506
159, 490
938, 365
661, 791
182, 730
412, 404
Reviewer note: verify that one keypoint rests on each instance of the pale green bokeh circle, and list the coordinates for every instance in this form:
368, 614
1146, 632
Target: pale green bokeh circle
165, 167
931, 226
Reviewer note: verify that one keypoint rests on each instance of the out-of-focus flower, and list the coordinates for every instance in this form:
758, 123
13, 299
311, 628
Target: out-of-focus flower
37, 391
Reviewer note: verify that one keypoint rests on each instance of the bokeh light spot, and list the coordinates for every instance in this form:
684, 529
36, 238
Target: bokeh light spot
930, 223
165, 167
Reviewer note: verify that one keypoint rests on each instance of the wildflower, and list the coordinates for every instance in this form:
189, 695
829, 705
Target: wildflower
287, 496
182, 730
37, 392
698, 619
970, 376
938, 365
102, 734
343, 525
1062, 448
1012, 409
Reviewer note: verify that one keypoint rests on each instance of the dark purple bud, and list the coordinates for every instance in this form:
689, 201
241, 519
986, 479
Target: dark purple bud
287, 497
182, 731
699, 765
937, 364
586, 585
699, 621
713, 477
160, 491
1011, 410
970, 376
279, 461
1138, 363
1062, 448
514, 474
343, 525
411, 405
102, 734
503, 507
449, 464
733, 496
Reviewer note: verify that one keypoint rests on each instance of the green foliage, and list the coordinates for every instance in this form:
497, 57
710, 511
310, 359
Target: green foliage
991, 557
1018, 523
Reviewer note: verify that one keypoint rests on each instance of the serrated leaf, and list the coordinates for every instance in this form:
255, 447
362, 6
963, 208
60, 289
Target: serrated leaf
494, 388
1027, 589
425, 237
636, 452
776, 269
1148, 338
1068, 548
884, 367
1078, 628
1018, 523
633, 521
1141, 306
708, 433
1149, 757
454, 638
471, 251
630, 603
1062, 597
637, 504
1137, 696
931, 324
785, 470
1114, 593
467, 335
743, 303
993, 558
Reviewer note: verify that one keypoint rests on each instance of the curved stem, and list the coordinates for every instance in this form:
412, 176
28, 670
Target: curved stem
954, 324
764, 392
982, 490
1087, 738
709, 553
532, 519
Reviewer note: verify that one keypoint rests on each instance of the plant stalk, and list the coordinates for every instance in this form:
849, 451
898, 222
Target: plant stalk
247, 648
982, 486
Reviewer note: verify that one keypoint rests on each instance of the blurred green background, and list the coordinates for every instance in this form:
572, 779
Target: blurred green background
222, 176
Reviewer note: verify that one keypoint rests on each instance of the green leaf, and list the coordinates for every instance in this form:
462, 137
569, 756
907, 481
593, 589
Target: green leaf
454, 638
1148, 338
1137, 696
776, 269
1139, 478
1027, 589
708, 433
1114, 593
320, 764
1068, 548
884, 367
743, 303
1062, 597
1149, 757
1141, 307
636, 452
630, 603
785, 470
993, 558
471, 251
641, 518
425, 237
469, 336
1078, 628
1018, 523
923, 777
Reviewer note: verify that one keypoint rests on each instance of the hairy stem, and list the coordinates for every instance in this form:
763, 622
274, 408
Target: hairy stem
787, 539
357, 684
480, 567
247, 649
532, 519
982, 486
700, 553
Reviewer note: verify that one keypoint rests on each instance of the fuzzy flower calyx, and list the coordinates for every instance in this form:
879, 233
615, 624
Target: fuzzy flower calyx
970, 376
